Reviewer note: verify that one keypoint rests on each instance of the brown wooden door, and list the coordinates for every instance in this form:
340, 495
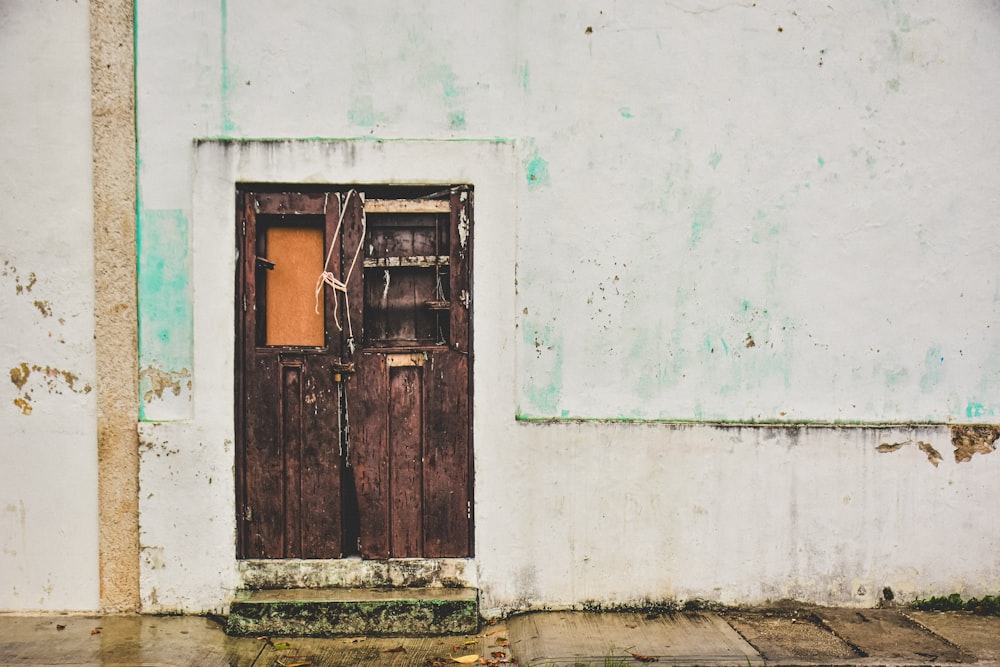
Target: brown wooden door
409, 402
355, 423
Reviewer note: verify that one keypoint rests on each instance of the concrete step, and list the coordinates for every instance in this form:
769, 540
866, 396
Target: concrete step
343, 612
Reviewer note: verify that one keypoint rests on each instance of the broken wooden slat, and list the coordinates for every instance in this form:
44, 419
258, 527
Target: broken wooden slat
407, 206
424, 261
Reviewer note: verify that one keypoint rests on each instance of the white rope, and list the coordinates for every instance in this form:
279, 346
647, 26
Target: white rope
331, 280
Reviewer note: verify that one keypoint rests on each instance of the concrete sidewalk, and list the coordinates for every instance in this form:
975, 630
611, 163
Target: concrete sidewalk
790, 635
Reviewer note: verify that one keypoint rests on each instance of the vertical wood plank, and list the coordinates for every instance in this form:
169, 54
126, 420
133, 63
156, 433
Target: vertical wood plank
320, 502
405, 398
369, 453
446, 523
354, 222
264, 478
291, 449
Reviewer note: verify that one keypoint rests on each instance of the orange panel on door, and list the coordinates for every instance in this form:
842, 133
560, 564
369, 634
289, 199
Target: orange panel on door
297, 254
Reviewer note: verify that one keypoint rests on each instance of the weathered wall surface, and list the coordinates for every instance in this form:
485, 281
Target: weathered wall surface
48, 480
717, 213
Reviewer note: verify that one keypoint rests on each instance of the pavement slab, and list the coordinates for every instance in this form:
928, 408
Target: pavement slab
182, 641
978, 635
597, 639
792, 636
887, 634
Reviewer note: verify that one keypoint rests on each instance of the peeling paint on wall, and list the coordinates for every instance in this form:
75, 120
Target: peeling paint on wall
933, 455
53, 381
970, 439
160, 381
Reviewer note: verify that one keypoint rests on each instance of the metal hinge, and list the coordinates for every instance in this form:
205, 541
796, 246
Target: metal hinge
468, 509
247, 513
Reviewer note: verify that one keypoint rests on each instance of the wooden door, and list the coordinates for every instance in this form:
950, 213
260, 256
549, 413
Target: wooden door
354, 422
290, 461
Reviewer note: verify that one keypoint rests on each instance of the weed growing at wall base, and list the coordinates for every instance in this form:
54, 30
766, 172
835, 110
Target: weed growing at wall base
988, 605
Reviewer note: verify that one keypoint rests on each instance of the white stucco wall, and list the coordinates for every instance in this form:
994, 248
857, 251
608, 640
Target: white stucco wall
48, 444
770, 212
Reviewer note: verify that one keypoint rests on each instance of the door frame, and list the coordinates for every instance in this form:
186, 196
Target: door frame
187, 465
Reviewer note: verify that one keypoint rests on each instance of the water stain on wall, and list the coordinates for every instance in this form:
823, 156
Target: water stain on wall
970, 439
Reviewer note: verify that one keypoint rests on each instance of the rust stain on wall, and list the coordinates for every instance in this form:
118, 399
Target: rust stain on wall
44, 307
161, 381
19, 375
19, 287
970, 439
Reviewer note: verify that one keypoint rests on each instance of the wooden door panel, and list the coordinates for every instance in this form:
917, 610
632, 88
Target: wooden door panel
447, 504
321, 508
405, 426
263, 529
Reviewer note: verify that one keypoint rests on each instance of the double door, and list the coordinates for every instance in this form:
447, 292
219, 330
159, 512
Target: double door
353, 375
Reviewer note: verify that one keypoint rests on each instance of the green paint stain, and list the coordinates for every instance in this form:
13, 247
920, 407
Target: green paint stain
362, 112
625, 112
543, 388
456, 120
715, 159
933, 362
975, 409
677, 134
820, 161
892, 85
702, 218
448, 86
525, 76
537, 171
164, 293
225, 85
894, 377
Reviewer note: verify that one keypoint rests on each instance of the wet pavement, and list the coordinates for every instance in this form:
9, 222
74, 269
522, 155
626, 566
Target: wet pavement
789, 635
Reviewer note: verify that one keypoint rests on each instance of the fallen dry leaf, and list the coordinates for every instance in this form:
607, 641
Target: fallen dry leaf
493, 632
398, 649
631, 626
498, 654
283, 646
300, 663
644, 658
502, 641
470, 659
95, 631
